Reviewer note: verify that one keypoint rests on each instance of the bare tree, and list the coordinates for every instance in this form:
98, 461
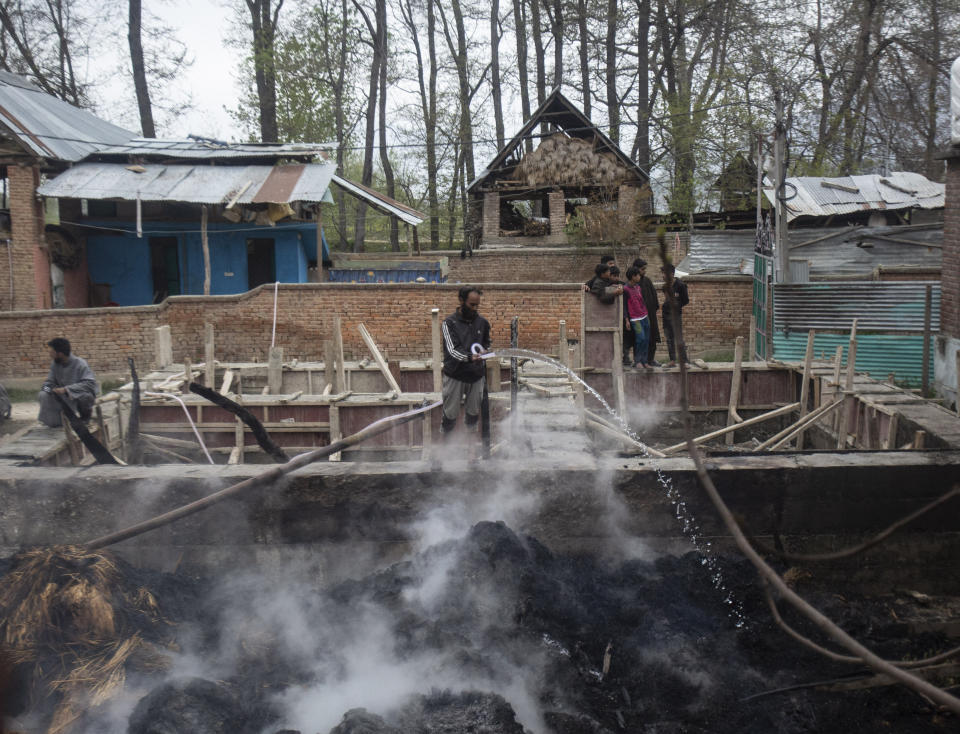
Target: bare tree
366, 177
263, 23
496, 32
139, 71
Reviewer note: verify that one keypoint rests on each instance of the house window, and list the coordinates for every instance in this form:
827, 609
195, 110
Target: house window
261, 261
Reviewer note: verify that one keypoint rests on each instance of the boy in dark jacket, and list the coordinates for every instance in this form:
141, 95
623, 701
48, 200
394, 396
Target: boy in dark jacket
604, 287
674, 340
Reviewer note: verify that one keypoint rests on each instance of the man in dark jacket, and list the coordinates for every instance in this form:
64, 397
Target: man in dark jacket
653, 305
463, 368
676, 345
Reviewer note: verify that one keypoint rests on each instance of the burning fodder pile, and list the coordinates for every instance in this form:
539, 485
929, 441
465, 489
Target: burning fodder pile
485, 632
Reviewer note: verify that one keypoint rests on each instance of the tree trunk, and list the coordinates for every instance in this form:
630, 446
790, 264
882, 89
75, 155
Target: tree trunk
933, 169
384, 153
366, 176
139, 72
613, 102
520, 24
584, 55
556, 29
263, 21
495, 71
642, 144
340, 123
539, 58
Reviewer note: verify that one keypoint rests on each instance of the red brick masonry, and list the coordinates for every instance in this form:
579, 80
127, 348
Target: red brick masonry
397, 315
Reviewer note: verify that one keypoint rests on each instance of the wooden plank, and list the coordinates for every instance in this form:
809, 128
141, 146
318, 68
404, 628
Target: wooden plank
805, 387
341, 382
436, 350
849, 400
736, 378
335, 434
227, 382
164, 347
378, 358
210, 367
329, 365
790, 431
275, 370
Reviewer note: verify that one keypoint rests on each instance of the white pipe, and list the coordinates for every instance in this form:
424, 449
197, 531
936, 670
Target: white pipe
273, 336
192, 425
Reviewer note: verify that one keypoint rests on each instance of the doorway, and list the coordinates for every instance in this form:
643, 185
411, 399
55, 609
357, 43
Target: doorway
164, 267
261, 262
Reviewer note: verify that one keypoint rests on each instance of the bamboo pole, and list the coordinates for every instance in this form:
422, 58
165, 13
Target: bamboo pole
562, 347
605, 426
378, 358
805, 387
733, 417
720, 432
209, 366
790, 431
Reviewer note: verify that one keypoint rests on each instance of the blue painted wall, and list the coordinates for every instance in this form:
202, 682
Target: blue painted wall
123, 260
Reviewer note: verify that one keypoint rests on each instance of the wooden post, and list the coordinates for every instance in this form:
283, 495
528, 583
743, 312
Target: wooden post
238, 437
618, 388
837, 365
335, 429
752, 339
318, 214
164, 351
956, 359
210, 367
341, 384
514, 377
850, 402
891, 442
927, 315
493, 375
378, 358
187, 376
919, 439
768, 327
329, 362
275, 370
732, 416
436, 351
805, 387
204, 215
562, 351
409, 242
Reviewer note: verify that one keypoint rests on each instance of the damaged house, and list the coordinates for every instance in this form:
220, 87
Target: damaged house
558, 177
130, 221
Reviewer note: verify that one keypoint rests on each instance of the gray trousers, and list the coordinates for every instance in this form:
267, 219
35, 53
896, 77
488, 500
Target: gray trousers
50, 407
454, 393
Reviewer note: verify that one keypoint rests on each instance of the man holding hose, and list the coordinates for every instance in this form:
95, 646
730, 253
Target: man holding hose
463, 367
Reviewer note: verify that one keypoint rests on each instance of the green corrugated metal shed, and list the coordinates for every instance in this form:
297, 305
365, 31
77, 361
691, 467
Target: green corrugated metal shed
889, 315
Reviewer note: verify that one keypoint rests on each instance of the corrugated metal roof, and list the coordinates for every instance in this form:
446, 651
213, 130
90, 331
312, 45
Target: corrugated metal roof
815, 196
832, 252
877, 306
384, 203
201, 149
49, 127
200, 184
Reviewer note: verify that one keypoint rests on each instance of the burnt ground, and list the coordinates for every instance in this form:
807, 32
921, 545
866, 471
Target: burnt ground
493, 633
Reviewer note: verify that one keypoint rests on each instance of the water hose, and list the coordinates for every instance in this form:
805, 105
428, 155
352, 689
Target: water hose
268, 477
189, 419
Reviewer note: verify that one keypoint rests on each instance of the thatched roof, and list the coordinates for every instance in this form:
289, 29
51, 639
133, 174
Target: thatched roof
559, 113
564, 161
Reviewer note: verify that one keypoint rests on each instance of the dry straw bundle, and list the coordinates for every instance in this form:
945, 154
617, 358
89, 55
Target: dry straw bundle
72, 624
565, 161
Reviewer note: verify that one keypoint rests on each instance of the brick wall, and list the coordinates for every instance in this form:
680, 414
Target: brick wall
398, 317
950, 267
532, 264
31, 268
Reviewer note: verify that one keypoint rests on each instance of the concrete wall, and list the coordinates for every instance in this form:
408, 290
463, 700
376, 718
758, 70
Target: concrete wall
349, 519
398, 316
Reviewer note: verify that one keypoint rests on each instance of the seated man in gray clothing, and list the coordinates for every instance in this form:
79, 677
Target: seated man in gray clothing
72, 379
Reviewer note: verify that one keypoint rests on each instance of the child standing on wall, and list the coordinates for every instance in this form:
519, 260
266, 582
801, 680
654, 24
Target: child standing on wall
675, 342
639, 318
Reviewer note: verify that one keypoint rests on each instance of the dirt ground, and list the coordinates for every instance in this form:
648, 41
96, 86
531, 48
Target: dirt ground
21, 416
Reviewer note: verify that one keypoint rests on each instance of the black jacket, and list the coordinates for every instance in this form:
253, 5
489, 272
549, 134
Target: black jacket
599, 289
458, 336
649, 293
679, 292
